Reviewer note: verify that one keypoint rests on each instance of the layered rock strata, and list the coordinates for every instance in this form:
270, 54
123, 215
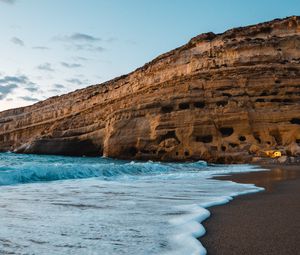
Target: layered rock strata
221, 98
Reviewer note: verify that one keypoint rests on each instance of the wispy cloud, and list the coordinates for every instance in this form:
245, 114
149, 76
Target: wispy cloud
8, 1
78, 81
30, 99
80, 58
89, 47
32, 89
9, 83
81, 41
75, 80
78, 37
17, 41
6, 90
19, 79
45, 67
84, 37
70, 65
40, 48
59, 86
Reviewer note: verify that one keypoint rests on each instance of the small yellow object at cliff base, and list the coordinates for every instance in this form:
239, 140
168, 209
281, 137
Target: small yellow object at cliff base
273, 154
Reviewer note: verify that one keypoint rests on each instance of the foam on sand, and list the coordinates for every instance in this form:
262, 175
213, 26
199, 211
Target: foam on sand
86, 205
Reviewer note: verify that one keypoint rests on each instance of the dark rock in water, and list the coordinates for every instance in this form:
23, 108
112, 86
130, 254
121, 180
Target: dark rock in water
215, 98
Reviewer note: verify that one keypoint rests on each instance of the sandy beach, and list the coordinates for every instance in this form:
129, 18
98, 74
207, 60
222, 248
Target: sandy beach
263, 223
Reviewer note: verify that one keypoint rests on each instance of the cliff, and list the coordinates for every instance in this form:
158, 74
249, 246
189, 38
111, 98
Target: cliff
221, 98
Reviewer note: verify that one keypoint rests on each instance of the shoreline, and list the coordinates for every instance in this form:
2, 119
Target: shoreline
266, 222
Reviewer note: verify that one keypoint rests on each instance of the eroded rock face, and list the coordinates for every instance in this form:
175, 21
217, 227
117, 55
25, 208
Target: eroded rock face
221, 98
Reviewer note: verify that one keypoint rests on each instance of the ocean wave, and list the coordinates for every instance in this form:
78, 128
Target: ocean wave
17, 169
152, 207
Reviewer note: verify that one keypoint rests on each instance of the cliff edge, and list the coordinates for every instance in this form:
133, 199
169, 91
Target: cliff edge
221, 98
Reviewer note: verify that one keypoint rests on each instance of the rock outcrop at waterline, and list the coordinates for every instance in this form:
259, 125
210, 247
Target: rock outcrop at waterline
220, 98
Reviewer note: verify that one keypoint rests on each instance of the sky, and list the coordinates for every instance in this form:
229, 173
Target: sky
51, 47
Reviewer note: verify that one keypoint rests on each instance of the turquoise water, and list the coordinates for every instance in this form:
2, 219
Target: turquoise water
65, 205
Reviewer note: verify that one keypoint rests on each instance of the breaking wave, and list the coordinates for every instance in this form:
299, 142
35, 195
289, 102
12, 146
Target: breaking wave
17, 169
89, 205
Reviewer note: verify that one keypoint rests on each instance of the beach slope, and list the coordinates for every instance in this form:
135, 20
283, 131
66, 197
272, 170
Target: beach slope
262, 223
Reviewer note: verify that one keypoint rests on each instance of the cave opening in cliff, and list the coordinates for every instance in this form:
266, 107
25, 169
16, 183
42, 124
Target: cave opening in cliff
257, 138
242, 138
184, 106
226, 95
167, 109
168, 135
287, 100
276, 100
233, 145
199, 104
226, 131
131, 151
295, 121
222, 103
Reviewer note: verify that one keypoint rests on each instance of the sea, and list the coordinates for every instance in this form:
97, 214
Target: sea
81, 205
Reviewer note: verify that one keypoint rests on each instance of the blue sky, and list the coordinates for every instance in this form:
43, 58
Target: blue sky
50, 47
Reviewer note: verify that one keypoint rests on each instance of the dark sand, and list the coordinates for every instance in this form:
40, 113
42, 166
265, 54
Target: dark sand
262, 223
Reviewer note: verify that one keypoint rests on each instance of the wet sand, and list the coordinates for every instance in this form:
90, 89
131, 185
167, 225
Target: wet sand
262, 223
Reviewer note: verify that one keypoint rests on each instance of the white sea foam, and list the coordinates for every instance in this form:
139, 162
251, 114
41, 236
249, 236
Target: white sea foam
101, 206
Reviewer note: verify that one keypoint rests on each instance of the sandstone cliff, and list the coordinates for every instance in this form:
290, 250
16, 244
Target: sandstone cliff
221, 98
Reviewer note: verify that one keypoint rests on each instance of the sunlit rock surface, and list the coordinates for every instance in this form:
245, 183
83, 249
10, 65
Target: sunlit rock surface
221, 98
